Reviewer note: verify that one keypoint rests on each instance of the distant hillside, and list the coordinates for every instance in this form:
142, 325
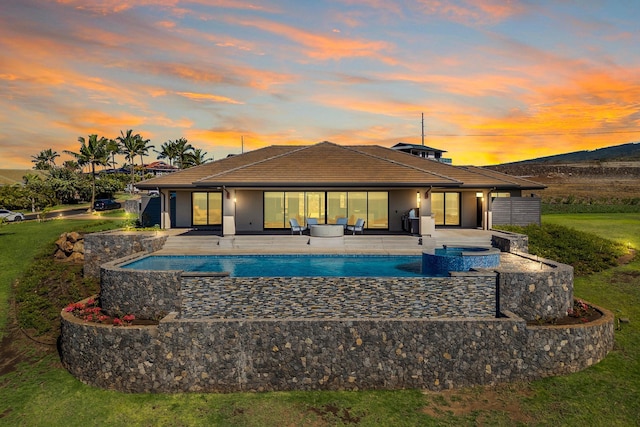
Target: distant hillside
14, 176
620, 153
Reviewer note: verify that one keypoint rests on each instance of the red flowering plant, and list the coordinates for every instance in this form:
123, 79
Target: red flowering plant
580, 310
90, 311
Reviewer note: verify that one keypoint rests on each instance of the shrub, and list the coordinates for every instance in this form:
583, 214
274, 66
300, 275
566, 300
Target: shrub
586, 252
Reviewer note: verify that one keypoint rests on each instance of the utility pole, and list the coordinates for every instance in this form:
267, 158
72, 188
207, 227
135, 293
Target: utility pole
423, 129
242, 143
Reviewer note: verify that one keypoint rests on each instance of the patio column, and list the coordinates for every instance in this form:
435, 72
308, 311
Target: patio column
165, 207
487, 214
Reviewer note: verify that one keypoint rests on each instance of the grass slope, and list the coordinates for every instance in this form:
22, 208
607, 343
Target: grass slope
21, 242
39, 391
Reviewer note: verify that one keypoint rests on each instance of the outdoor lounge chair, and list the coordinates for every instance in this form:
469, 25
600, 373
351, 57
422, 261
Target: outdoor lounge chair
295, 227
312, 221
358, 226
342, 222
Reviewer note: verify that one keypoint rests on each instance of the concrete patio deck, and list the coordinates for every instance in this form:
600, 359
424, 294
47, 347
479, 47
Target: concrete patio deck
183, 243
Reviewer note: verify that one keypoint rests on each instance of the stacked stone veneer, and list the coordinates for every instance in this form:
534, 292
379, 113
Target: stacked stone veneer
100, 248
510, 242
533, 295
182, 355
343, 353
143, 293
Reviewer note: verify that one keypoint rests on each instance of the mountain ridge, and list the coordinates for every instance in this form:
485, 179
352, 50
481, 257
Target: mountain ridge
624, 152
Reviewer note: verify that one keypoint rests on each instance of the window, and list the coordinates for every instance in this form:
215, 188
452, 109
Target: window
274, 209
499, 194
336, 206
315, 206
294, 207
206, 208
446, 208
378, 210
326, 207
356, 206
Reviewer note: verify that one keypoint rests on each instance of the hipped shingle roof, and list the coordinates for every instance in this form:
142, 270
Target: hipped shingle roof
330, 165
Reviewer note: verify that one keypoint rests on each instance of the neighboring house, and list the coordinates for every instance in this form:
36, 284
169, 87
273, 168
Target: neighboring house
421, 151
159, 168
259, 191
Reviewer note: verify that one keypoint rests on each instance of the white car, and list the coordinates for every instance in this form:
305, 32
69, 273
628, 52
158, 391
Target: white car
7, 215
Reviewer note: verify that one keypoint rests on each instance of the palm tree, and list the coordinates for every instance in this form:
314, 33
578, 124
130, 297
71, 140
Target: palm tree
71, 165
143, 150
167, 151
130, 143
183, 149
45, 160
198, 157
93, 151
113, 148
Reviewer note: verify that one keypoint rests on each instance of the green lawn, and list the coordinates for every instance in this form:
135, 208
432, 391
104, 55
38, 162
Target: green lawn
40, 392
20, 242
620, 227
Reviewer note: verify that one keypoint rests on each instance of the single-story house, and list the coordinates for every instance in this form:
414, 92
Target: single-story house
261, 190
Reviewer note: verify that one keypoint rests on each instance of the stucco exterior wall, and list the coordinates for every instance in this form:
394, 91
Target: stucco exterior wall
468, 209
183, 209
249, 210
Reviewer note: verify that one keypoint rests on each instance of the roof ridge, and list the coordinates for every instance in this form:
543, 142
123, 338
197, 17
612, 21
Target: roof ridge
226, 171
404, 164
481, 170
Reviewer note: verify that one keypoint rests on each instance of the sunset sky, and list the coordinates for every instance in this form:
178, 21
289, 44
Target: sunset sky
497, 80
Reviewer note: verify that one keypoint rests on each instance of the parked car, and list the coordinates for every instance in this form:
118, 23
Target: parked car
11, 216
106, 204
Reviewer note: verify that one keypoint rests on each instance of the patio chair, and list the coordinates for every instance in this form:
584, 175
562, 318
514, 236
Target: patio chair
295, 227
342, 222
312, 221
358, 226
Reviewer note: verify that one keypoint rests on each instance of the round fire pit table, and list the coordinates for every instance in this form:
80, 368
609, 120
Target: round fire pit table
327, 230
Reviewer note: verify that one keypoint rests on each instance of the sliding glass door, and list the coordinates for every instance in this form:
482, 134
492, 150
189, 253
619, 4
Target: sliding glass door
446, 208
206, 208
326, 207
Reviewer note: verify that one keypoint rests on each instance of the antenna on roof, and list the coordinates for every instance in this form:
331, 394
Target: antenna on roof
422, 128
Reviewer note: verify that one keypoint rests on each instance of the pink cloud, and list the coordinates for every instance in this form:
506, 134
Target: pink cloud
323, 47
208, 97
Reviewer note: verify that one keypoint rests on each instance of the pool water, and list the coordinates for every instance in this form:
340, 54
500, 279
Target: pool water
287, 265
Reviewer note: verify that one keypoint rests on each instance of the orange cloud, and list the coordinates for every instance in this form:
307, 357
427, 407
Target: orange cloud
481, 12
208, 97
323, 47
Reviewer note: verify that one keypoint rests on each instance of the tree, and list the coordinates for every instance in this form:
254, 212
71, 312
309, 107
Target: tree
113, 148
183, 148
71, 165
38, 191
130, 143
143, 150
45, 160
168, 150
93, 151
198, 157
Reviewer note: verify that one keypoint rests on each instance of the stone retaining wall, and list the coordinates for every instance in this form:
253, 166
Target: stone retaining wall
144, 293
543, 294
469, 294
191, 355
510, 242
100, 248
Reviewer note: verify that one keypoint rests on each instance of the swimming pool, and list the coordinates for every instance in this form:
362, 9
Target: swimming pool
286, 265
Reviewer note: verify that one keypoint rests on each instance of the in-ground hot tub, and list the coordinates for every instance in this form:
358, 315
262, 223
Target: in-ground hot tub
460, 258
